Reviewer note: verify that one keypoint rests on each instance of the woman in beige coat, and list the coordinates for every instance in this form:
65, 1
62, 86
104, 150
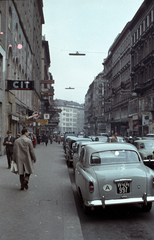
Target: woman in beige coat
24, 156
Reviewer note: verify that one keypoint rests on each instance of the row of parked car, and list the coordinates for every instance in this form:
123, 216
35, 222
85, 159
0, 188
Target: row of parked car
110, 173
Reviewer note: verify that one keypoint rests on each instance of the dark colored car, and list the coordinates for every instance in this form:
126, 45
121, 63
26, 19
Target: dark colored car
64, 139
71, 146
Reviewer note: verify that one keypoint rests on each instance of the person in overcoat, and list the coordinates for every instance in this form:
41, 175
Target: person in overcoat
51, 138
9, 142
58, 138
24, 157
114, 137
46, 139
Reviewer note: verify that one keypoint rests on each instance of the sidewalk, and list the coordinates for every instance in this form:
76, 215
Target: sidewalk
48, 206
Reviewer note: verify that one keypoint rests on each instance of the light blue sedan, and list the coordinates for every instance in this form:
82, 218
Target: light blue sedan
112, 174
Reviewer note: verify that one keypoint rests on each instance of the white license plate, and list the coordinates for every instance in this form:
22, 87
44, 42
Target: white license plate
123, 187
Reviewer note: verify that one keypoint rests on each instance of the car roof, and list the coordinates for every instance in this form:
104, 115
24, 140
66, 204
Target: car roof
83, 139
144, 140
110, 146
72, 137
84, 143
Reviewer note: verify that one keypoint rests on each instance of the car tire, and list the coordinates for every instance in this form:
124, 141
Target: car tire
148, 207
68, 162
86, 210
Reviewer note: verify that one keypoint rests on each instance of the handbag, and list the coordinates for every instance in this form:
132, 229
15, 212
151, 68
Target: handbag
14, 168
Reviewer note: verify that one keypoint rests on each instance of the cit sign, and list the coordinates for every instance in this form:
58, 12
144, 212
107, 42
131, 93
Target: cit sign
20, 85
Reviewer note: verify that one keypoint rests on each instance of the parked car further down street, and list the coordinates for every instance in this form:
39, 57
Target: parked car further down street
65, 137
71, 146
146, 150
112, 175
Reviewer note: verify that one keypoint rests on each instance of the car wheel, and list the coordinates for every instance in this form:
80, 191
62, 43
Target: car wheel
86, 210
148, 207
68, 162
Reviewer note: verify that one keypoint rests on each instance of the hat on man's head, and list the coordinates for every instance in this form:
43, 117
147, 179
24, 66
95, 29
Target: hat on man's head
8, 132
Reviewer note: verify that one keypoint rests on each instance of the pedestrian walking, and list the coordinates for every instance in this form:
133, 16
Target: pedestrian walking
58, 138
46, 139
24, 157
51, 138
34, 140
114, 137
9, 142
38, 139
43, 138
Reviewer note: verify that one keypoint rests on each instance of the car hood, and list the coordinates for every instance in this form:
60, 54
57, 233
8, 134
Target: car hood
135, 174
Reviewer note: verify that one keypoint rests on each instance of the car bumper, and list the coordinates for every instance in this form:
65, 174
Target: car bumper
104, 202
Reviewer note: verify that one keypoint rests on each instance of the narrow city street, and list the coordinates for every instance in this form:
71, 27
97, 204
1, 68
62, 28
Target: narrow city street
51, 209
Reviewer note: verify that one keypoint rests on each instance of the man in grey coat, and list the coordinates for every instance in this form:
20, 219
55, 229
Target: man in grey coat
24, 156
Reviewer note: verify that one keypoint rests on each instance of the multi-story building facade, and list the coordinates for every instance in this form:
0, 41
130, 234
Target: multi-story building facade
71, 118
141, 110
128, 71
2, 69
20, 51
94, 107
117, 83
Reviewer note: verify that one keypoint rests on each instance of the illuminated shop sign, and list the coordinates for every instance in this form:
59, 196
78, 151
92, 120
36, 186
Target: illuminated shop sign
20, 85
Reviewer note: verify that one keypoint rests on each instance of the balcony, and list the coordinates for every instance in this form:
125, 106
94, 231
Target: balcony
140, 87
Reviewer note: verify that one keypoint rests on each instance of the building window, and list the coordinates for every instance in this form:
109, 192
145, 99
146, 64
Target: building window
16, 33
148, 21
134, 38
137, 34
10, 108
151, 15
140, 30
10, 19
144, 26
1, 70
0, 21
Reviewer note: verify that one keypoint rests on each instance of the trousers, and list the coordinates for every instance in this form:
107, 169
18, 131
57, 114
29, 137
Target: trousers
9, 158
24, 177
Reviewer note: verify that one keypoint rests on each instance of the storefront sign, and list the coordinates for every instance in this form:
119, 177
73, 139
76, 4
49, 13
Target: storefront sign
43, 121
15, 118
20, 85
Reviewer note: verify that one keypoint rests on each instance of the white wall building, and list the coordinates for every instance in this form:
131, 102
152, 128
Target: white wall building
72, 116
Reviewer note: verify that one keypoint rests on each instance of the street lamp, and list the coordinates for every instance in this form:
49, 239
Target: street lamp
69, 88
77, 54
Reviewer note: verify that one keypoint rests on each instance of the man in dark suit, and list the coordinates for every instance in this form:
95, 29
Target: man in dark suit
9, 142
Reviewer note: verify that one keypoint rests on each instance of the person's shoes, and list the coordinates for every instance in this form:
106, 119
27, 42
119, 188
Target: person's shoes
22, 187
25, 184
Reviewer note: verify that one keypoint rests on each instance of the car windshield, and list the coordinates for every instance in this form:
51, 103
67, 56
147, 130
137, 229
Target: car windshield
147, 145
120, 139
103, 138
114, 156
